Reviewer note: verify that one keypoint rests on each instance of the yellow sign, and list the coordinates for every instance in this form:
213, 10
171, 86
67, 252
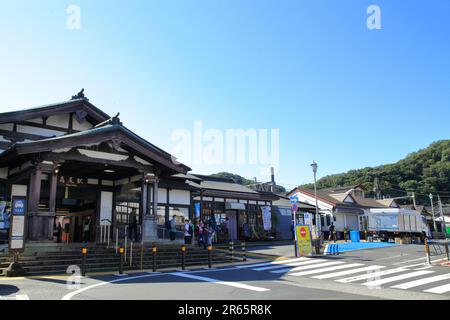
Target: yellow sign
303, 240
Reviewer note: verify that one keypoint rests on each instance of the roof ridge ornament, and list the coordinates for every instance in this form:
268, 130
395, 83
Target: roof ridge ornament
80, 95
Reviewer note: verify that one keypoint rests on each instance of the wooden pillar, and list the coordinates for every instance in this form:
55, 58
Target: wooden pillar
52, 202
35, 191
52, 197
155, 197
144, 204
34, 194
167, 207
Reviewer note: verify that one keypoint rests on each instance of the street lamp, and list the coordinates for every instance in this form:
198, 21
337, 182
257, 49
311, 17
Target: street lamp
314, 168
432, 211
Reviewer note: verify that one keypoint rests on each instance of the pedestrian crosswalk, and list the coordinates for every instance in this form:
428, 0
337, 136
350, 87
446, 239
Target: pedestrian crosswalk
418, 277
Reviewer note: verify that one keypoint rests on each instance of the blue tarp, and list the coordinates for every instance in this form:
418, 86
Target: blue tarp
334, 248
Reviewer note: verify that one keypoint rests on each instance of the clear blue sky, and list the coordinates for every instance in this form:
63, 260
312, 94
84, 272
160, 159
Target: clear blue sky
340, 94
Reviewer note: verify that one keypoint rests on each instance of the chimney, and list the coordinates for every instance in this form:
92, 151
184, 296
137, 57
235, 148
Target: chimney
272, 178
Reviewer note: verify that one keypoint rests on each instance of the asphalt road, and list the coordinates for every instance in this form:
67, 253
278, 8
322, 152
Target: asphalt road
388, 273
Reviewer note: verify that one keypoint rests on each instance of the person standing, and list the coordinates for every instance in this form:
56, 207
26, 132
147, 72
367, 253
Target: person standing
132, 226
188, 231
211, 233
331, 230
58, 230
87, 229
201, 234
173, 228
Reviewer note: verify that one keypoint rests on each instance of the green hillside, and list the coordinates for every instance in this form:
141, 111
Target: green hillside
422, 172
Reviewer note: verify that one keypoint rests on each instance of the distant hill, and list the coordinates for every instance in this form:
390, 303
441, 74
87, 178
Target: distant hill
424, 171
241, 180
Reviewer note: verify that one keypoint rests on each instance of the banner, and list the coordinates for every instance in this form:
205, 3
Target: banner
267, 217
303, 240
197, 209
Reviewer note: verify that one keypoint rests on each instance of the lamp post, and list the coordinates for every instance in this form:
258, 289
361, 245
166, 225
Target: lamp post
432, 212
314, 168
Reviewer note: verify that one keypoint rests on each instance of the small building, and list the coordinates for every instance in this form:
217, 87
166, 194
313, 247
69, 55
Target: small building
282, 210
345, 206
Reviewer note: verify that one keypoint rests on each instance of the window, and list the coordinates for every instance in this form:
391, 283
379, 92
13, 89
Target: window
328, 220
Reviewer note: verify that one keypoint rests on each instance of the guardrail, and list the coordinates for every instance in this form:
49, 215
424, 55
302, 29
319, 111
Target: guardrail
435, 248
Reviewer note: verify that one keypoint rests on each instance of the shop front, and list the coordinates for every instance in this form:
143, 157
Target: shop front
235, 209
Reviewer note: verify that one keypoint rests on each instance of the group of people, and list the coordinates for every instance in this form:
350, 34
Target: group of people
203, 232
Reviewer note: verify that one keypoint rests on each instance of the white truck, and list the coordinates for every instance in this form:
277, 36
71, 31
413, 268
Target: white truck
395, 223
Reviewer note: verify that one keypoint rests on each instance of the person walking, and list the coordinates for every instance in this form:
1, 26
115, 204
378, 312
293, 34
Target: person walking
188, 232
331, 230
132, 226
173, 228
201, 234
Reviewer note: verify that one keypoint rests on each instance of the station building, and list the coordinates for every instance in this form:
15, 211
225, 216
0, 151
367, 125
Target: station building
74, 162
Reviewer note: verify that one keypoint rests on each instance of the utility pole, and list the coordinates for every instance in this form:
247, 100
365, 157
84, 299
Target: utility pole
318, 227
444, 225
414, 200
432, 212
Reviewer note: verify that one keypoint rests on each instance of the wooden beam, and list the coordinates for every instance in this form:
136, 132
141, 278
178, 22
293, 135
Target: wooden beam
76, 156
20, 136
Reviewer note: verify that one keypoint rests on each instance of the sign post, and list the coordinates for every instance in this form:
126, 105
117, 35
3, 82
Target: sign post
294, 208
17, 233
304, 239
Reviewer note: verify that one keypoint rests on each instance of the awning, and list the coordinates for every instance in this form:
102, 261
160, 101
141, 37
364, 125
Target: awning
234, 206
447, 219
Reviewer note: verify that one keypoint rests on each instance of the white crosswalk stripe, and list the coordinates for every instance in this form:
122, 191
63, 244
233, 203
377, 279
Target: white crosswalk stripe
347, 272
293, 264
317, 265
422, 282
278, 262
345, 266
368, 275
371, 275
439, 290
379, 282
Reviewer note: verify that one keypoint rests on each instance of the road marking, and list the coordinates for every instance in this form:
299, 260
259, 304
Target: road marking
294, 264
407, 261
441, 289
346, 266
324, 264
420, 282
346, 272
76, 292
22, 297
371, 275
225, 283
396, 278
278, 262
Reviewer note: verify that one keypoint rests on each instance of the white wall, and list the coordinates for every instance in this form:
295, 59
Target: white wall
180, 197
60, 120
80, 126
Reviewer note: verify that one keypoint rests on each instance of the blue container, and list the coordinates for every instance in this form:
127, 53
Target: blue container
354, 236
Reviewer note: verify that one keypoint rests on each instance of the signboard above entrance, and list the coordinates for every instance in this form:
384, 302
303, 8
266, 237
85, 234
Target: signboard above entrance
72, 181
